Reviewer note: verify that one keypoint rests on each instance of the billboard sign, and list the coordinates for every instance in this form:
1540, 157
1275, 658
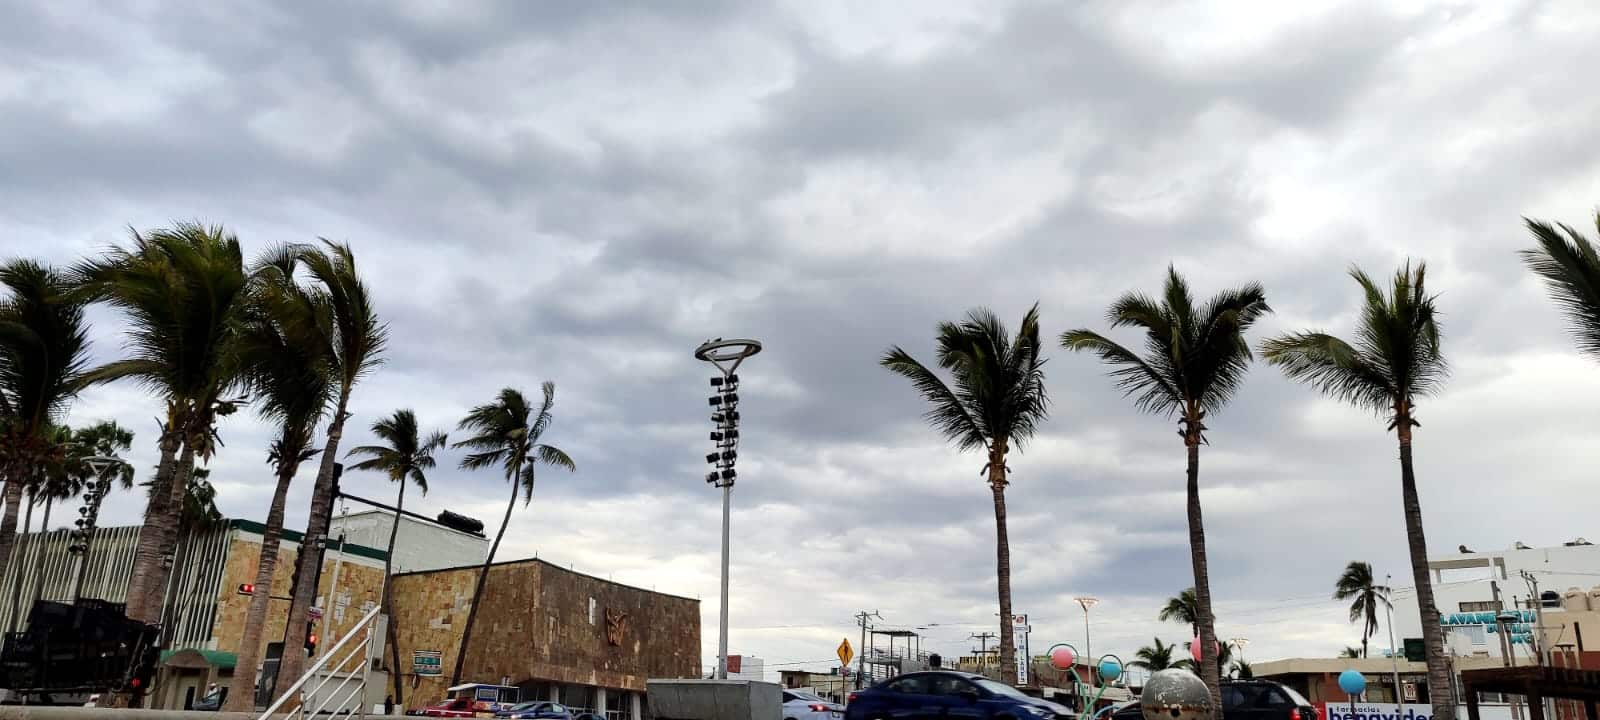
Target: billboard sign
426, 663
1019, 640
1374, 711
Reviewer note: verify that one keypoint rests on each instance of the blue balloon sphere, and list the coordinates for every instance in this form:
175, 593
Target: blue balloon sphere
1110, 669
1352, 682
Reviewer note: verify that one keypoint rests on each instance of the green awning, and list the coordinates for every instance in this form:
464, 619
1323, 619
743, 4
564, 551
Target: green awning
215, 658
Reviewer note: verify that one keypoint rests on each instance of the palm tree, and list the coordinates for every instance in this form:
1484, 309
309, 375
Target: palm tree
1154, 657
43, 347
507, 435
1196, 357
1350, 652
181, 290
1368, 597
1182, 609
997, 402
1243, 671
1224, 657
353, 339
404, 459
1569, 263
1394, 360
287, 371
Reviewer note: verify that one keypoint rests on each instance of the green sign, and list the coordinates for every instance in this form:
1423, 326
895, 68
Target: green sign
426, 663
1415, 651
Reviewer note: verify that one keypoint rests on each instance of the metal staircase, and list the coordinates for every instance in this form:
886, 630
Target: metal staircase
318, 699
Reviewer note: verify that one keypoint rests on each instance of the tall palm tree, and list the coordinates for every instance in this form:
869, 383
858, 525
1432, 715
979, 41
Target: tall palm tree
181, 291
1569, 263
353, 339
1157, 656
1195, 358
286, 367
1394, 360
507, 433
43, 349
405, 459
1368, 598
996, 403
1182, 608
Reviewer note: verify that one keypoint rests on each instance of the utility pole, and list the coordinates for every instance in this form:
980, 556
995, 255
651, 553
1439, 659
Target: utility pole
861, 666
1505, 642
983, 641
1538, 610
1394, 652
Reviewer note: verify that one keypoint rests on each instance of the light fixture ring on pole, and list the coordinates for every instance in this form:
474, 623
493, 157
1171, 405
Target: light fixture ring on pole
727, 354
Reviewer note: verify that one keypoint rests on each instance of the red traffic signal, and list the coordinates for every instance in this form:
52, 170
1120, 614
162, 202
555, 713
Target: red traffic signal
247, 588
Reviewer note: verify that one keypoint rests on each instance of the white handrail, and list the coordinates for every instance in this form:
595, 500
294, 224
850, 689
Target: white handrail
360, 626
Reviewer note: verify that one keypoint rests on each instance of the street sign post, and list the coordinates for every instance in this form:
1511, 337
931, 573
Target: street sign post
846, 653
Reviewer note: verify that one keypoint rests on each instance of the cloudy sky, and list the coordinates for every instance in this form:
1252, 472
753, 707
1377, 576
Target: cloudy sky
582, 192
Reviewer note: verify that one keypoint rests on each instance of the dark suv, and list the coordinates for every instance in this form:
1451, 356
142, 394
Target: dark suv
942, 695
1246, 700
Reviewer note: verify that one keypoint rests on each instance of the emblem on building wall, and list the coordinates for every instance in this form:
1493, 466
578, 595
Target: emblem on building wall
616, 625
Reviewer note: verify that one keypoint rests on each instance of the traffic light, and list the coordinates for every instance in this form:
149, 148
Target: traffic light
311, 638
247, 588
142, 670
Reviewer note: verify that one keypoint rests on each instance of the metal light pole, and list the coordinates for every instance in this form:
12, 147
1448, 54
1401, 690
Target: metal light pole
1087, 601
89, 512
725, 355
1394, 661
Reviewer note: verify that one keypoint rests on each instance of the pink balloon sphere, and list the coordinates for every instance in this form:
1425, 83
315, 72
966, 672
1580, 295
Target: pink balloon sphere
1194, 649
1062, 658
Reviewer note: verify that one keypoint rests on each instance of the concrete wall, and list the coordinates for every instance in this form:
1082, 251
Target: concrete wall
542, 622
419, 546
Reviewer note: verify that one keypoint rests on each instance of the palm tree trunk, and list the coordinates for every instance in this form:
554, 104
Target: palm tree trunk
388, 602
1002, 551
243, 698
177, 498
1210, 672
8, 544
1432, 634
147, 556
1363, 646
477, 593
307, 568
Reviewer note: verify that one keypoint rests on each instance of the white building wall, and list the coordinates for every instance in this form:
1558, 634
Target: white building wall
419, 546
1461, 585
750, 668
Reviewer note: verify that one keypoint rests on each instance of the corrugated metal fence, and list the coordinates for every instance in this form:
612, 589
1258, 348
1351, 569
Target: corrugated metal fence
41, 568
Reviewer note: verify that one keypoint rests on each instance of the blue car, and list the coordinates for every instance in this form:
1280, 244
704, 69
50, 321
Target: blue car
942, 695
537, 710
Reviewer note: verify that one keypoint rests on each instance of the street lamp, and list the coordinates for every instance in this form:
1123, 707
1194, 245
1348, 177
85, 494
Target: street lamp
725, 355
96, 489
1087, 601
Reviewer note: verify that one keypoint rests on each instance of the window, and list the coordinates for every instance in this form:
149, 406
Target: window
1232, 698
948, 685
913, 684
1477, 606
1273, 697
1475, 633
789, 697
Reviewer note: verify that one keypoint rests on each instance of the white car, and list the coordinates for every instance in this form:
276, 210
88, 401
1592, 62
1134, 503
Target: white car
801, 705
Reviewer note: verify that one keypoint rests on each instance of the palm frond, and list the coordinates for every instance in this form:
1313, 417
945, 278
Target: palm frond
1134, 376
1569, 265
947, 414
1332, 366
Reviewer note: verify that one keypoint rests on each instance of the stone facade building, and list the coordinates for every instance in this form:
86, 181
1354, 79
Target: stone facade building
557, 634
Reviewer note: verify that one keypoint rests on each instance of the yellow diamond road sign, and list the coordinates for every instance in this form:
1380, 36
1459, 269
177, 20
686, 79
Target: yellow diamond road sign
845, 652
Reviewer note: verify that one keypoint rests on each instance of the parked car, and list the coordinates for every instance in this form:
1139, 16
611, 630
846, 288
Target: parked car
212, 702
944, 695
458, 707
1246, 700
800, 705
536, 710
587, 716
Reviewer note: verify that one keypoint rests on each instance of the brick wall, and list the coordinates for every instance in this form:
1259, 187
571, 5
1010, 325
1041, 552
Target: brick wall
542, 622
360, 583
